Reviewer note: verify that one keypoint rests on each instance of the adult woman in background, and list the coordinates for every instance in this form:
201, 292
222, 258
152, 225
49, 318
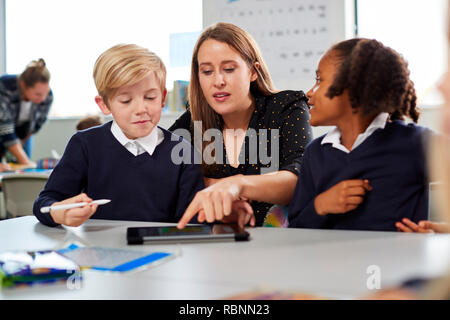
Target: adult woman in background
25, 101
231, 91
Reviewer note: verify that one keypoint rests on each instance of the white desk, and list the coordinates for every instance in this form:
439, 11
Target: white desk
331, 263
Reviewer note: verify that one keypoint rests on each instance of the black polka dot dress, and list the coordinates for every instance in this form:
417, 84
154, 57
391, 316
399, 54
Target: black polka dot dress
276, 137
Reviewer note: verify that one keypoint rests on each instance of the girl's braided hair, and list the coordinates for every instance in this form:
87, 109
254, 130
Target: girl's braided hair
376, 77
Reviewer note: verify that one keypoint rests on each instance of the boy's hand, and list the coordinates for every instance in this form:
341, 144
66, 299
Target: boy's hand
76, 216
343, 197
422, 227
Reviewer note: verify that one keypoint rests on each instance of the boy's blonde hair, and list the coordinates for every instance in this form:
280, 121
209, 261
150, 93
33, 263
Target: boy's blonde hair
124, 65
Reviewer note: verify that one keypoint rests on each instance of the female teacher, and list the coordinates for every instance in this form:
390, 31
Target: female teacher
260, 129
25, 101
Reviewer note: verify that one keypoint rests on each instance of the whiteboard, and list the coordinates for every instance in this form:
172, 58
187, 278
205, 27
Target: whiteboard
292, 34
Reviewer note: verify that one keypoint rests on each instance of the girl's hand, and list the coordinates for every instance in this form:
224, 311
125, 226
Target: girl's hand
423, 226
76, 216
343, 197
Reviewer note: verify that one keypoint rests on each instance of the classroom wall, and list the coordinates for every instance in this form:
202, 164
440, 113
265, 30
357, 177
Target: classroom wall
56, 132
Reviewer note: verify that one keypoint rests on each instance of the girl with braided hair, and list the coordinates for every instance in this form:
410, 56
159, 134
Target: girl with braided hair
369, 171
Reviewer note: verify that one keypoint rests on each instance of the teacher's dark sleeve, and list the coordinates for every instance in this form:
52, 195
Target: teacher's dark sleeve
295, 134
183, 122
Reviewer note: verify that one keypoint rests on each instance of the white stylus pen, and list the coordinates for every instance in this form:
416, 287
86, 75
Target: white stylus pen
73, 205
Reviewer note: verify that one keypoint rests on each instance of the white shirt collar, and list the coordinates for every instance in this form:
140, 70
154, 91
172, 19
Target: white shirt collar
139, 145
334, 136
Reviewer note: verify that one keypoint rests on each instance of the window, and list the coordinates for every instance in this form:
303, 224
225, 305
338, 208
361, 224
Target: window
417, 30
70, 35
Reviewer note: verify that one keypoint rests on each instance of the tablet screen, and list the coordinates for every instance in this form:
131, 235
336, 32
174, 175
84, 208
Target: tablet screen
172, 233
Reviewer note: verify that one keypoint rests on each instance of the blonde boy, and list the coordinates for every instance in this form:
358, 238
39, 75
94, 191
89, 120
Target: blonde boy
127, 160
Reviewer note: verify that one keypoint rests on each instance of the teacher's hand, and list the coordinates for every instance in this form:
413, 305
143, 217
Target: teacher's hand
215, 202
242, 214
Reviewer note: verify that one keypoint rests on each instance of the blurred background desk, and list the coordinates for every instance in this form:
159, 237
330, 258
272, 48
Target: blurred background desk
329, 263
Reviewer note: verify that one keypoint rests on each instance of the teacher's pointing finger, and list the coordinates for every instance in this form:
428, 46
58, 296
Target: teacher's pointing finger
193, 208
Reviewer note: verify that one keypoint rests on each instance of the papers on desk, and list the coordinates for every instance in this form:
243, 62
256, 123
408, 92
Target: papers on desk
20, 268
113, 259
42, 165
16, 166
37, 267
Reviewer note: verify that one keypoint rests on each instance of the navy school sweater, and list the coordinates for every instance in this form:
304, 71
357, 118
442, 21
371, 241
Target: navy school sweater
142, 188
392, 159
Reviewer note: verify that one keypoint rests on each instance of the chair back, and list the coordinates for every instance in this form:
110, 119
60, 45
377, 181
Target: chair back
20, 190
